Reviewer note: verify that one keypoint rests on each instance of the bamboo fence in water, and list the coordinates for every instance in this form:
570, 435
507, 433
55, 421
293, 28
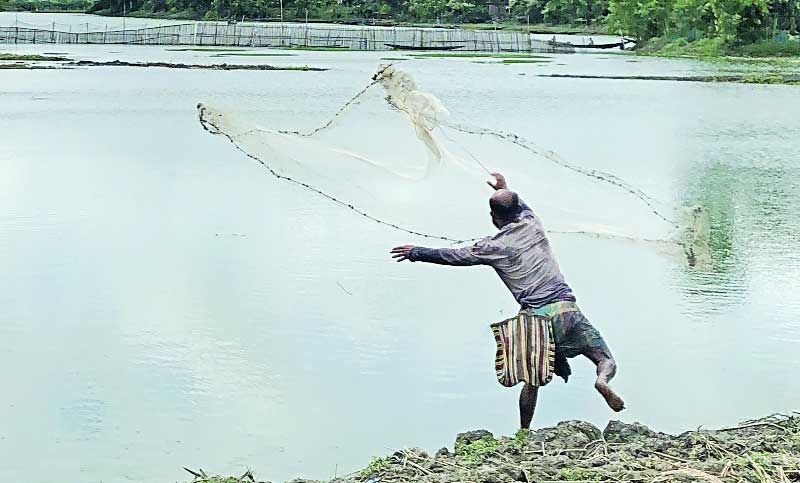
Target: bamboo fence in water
291, 35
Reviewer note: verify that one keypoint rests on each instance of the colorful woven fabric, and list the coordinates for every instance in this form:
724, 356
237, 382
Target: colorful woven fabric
556, 308
525, 350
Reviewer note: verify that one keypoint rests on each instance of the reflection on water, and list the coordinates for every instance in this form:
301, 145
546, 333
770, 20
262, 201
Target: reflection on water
165, 304
752, 218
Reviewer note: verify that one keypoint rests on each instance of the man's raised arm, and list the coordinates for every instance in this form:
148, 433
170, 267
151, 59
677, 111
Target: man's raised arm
501, 184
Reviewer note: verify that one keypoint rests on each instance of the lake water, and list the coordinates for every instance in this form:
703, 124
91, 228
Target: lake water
165, 303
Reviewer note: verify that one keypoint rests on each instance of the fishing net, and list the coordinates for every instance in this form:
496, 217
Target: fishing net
417, 170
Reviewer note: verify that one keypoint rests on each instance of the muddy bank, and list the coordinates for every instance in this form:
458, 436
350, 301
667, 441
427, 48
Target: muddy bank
170, 65
167, 65
792, 79
759, 451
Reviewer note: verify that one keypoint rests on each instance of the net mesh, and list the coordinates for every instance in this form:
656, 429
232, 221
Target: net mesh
416, 170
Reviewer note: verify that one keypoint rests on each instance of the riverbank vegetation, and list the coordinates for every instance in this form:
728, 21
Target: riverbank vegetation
698, 28
556, 16
759, 451
710, 28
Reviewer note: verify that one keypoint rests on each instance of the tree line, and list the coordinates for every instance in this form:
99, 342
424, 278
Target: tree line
728, 21
446, 11
725, 22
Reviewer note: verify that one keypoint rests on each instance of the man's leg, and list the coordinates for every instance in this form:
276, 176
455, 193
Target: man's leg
606, 368
527, 404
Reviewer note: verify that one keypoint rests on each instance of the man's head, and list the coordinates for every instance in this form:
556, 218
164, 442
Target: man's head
505, 207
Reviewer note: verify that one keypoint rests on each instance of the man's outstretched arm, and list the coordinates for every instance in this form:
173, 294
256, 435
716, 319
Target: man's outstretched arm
471, 255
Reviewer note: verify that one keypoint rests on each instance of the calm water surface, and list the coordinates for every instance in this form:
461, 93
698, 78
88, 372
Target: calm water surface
163, 303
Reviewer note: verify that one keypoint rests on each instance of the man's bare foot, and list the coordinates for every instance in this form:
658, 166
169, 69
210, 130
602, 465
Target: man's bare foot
612, 399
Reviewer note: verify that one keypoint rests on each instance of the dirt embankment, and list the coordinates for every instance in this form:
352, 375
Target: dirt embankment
759, 451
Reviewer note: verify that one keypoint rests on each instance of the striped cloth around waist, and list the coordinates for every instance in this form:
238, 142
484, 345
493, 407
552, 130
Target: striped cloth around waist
525, 349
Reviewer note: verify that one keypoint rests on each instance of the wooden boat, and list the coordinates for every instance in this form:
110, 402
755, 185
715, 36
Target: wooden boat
336, 46
615, 45
561, 44
420, 47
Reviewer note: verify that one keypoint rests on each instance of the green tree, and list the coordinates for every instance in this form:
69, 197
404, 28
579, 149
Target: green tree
532, 10
643, 19
730, 15
692, 19
574, 11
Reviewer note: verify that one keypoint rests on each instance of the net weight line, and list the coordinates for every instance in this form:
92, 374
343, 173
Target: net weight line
333, 118
510, 137
598, 175
213, 130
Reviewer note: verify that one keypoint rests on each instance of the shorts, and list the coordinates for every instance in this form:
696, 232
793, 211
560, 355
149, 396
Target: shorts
572, 334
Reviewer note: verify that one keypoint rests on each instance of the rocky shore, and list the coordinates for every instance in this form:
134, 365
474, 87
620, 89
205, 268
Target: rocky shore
759, 451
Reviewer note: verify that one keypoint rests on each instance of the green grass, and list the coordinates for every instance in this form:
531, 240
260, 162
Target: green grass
472, 55
32, 57
580, 474
519, 438
780, 54
375, 467
473, 451
525, 61
683, 48
789, 48
394, 58
771, 78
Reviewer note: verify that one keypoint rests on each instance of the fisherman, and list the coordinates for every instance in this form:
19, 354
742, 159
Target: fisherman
520, 253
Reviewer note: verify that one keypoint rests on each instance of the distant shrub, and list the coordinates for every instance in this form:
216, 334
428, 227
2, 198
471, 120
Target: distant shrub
771, 48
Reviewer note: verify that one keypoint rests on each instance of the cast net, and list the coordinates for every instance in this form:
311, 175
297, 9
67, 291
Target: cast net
395, 156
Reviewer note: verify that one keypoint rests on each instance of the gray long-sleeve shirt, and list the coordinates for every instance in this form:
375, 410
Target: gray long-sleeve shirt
520, 254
